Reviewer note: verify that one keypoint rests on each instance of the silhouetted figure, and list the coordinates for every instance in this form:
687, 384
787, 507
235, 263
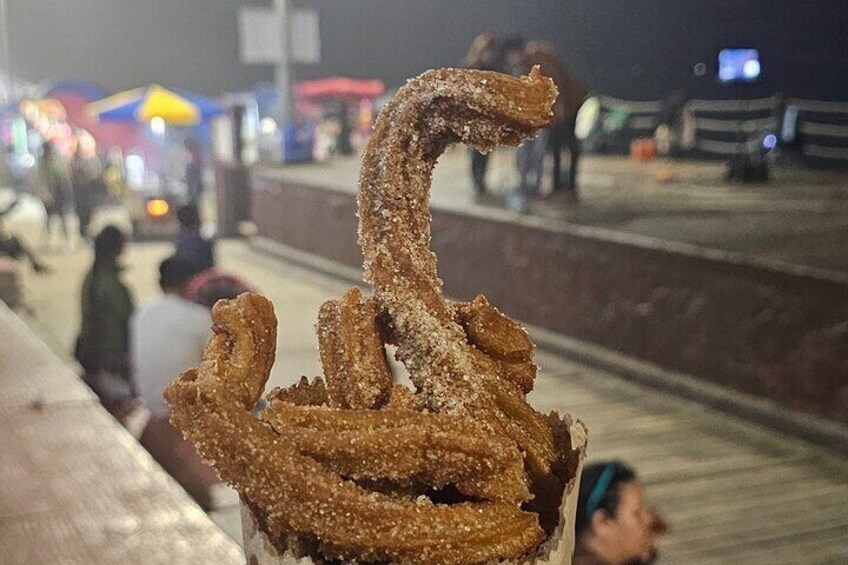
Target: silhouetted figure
102, 347
194, 170
191, 246
86, 181
483, 54
54, 190
344, 145
530, 155
572, 95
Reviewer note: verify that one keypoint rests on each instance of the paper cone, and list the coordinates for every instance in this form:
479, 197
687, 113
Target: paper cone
558, 549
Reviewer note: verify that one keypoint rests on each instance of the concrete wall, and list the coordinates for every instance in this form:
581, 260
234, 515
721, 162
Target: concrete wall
778, 334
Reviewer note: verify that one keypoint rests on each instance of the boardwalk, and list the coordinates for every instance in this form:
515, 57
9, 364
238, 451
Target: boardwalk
734, 493
798, 217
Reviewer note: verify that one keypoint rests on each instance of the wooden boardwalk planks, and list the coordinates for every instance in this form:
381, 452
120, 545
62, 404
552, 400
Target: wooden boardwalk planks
733, 492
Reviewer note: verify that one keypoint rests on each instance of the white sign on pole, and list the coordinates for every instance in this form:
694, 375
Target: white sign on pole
261, 36
306, 38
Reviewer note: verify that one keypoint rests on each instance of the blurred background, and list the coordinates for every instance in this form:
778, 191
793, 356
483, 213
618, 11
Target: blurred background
676, 243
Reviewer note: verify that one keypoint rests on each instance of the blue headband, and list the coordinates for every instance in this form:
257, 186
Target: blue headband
600, 490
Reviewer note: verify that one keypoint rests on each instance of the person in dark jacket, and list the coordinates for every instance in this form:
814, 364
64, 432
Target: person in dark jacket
102, 347
191, 245
572, 94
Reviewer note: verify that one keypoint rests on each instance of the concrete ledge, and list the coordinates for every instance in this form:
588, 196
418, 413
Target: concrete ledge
827, 434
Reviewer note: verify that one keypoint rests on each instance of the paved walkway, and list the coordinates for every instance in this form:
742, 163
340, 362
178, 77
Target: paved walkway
75, 487
733, 492
799, 217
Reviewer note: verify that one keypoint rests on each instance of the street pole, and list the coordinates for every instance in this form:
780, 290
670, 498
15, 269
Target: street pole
7, 66
282, 76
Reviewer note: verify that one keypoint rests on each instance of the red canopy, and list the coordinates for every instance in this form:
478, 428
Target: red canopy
339, 87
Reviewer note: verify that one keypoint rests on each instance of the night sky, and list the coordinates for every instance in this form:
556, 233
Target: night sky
638, 50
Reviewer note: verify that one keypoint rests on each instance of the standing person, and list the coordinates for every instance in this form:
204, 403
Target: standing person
54, 190
530, 162
614, 524
191, 245
102, 347
483, 54
344, 145
86, 182
530, 155
113, 175
168, 337
194, 170
572, 94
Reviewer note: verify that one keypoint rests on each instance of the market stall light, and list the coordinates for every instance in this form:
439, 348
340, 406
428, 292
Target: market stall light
267, 126
157, 125
157, 208
769, 141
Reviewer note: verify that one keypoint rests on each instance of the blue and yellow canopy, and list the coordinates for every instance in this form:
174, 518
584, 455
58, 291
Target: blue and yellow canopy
175, 107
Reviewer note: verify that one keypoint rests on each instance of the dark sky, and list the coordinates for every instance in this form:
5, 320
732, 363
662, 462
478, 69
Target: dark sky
624, 48
125, 43
636, 49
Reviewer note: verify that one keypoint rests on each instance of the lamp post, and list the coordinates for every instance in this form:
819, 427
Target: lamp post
7, 71
282, 77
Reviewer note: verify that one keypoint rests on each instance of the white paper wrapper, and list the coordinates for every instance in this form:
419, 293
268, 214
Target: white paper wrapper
557, 550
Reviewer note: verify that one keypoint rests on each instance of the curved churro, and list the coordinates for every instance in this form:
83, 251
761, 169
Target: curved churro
351, 466
438, 108
430, 449
302, 393
296, 493
352, 353
500, 338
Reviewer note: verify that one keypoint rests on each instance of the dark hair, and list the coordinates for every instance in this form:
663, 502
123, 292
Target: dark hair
600, 487
108, 245
175, 273
188, 216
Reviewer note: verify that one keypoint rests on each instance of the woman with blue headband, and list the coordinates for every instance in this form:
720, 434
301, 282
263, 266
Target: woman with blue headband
614, 524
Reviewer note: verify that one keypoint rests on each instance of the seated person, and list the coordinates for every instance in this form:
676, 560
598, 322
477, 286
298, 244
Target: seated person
614, 524
13, 247
213, 285
102, 345
191, 245
167, 337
